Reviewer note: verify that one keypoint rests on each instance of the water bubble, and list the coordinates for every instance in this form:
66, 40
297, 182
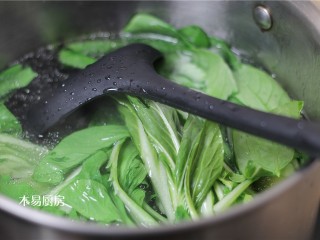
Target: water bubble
94, 89
163, 88
45, 102
119, 78
211, 107
115, 83
59, 109
89, 82
85, 88
63, 85
108, 77
27, 91
99, 80
65, 90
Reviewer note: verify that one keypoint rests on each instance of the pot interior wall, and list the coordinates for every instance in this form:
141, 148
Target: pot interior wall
290, 50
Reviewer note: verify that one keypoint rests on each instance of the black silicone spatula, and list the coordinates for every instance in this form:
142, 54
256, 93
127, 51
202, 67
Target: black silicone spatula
130, 70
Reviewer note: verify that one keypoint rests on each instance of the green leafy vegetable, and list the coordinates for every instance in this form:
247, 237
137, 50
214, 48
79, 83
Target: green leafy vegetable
8, 122
74, 149
18, 157
258, 90
145, 23
74, 59
208, 163
254, 154
196, 36
15, 77
139, 162
91, 199
200, 69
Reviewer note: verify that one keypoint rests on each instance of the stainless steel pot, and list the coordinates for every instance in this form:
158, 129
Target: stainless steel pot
290, 49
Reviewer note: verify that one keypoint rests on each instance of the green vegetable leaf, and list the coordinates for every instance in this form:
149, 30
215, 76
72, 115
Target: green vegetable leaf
17, 189
147, 29
92, 200
131, 169
207, 205
258, 90
164, 134
145, 23
81, 54
156, 169
220, 47
200, 69
136, 211
191, 134
75, 59
8, 122
256, 156
75, 149
18, 158
90, 169
196, 36
208, 163
15, 77
94, 48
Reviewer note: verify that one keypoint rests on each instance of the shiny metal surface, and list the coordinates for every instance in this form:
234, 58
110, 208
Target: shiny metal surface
262, 17
290, 50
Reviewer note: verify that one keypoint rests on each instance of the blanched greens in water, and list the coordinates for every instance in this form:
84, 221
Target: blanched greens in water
146, 163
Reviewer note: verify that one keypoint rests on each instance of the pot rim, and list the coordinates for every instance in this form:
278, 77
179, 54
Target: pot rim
44, 219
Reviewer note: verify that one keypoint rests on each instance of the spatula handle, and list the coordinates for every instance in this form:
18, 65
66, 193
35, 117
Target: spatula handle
300, 134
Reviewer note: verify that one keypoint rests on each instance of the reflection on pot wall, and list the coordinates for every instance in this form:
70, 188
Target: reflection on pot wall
279, 50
